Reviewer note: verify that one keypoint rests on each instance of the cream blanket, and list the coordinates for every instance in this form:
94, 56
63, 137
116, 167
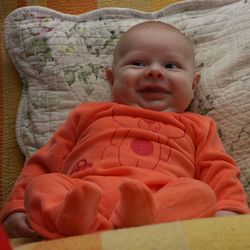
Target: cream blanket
230, 233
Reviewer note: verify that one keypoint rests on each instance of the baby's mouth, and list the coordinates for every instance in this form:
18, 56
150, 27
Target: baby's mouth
153, 93
153, 89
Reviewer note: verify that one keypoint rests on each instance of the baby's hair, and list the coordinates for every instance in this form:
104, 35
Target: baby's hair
147, 24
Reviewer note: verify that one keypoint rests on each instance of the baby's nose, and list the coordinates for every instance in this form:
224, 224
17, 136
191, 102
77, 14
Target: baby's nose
154, 71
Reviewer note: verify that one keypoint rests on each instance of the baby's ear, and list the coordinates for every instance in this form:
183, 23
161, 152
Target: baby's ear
196, 80
110, 76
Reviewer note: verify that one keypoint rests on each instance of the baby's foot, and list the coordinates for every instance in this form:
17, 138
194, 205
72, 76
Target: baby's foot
79, 210
136, 206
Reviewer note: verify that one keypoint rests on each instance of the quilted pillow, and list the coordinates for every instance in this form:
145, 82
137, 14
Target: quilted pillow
62, 59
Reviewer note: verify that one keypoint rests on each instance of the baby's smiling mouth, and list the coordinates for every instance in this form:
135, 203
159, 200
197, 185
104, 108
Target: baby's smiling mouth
153, 93
153, 89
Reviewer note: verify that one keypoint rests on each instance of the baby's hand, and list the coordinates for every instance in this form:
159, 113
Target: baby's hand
225, 213
16, 225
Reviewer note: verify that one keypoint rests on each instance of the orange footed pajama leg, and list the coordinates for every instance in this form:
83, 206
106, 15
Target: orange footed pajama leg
136, 206
78, 211
181, 199
184, 198
59, 206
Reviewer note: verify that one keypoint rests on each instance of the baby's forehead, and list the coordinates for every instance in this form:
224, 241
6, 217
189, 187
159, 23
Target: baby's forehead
152, 25
144, 29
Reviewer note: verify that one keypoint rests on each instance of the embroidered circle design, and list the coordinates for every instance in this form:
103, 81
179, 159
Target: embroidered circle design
82, 165
142, 147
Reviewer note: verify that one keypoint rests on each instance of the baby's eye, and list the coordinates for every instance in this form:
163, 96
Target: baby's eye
138, 64
171, 66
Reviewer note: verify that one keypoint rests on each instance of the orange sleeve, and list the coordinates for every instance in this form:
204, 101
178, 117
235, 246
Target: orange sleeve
48, 159
216, 168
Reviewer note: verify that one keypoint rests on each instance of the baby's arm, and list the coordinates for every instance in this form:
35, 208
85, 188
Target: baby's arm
48, 159
216, 168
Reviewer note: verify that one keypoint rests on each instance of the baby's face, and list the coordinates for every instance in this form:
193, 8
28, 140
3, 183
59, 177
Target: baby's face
154, 69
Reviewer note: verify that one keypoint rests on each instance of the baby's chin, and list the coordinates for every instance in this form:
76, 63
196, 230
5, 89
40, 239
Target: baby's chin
156, 107
160, 107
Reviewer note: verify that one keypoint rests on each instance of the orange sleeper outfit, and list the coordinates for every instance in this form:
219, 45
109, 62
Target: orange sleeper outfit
111, 166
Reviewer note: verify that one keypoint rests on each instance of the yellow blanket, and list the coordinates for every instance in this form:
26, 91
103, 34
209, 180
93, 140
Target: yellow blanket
231, 233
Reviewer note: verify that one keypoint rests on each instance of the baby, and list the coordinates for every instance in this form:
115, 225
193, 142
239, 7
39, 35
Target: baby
141, 159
